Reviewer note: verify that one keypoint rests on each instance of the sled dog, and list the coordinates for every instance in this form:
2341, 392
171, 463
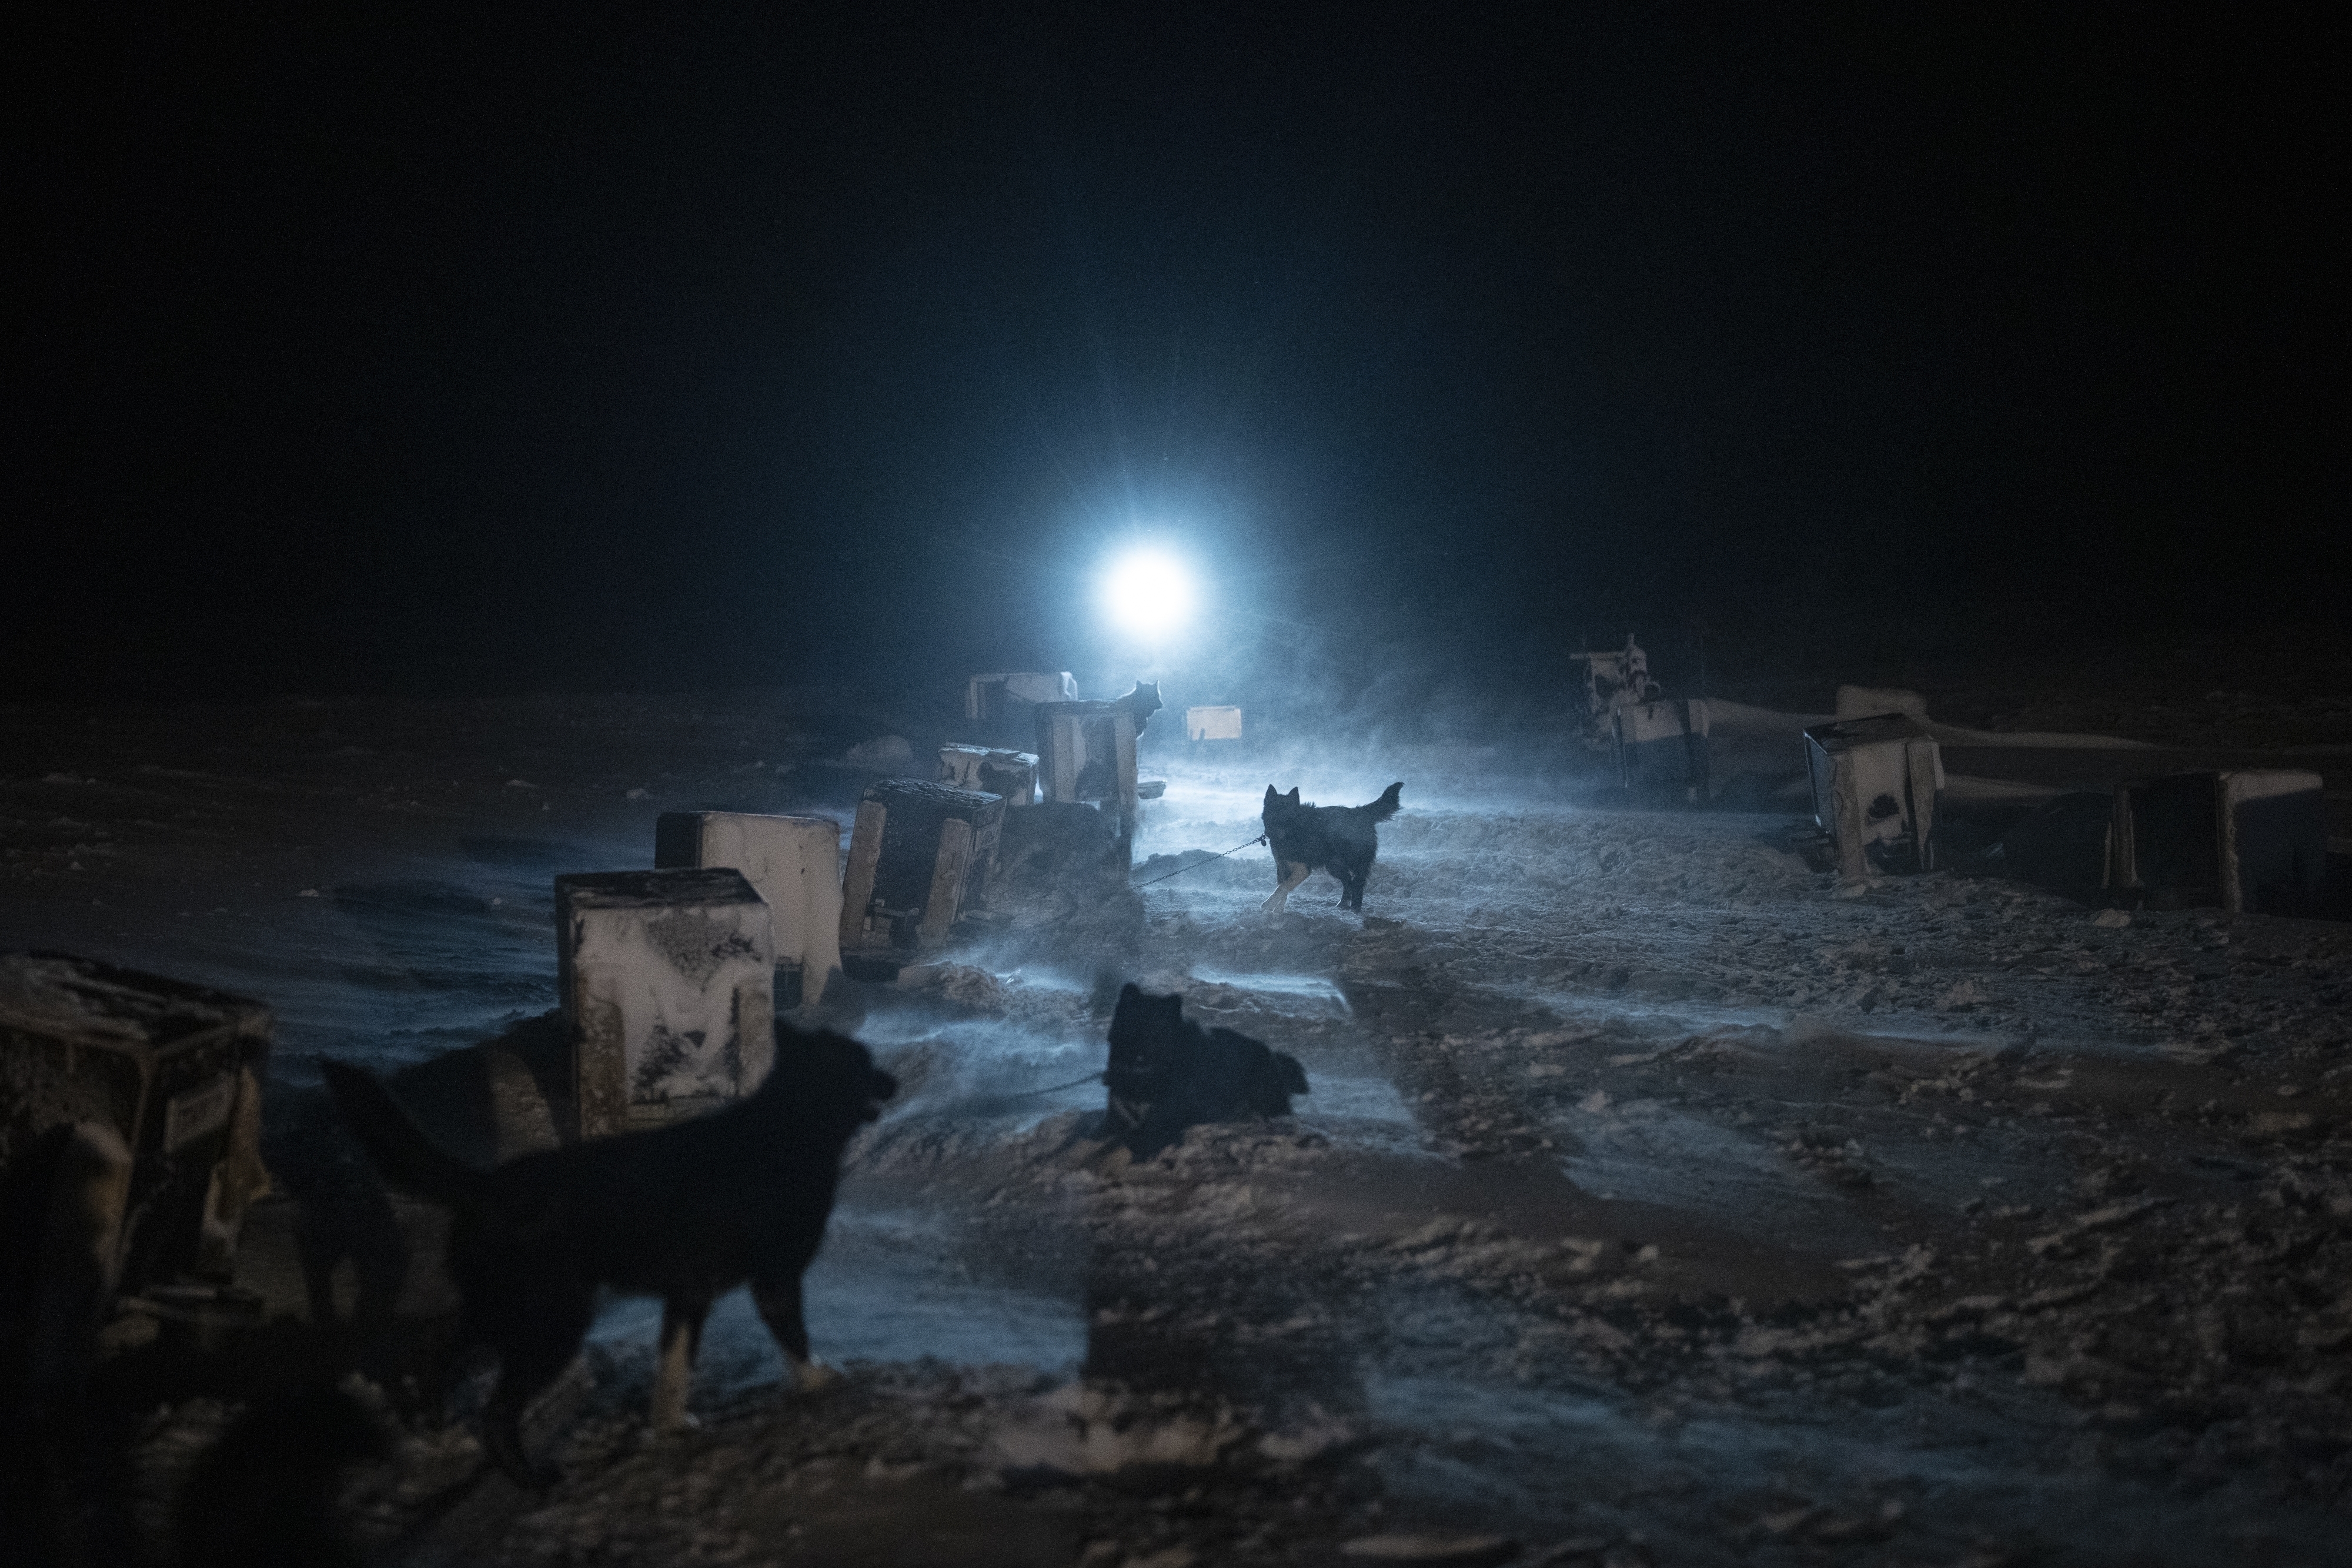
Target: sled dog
685, 1212
1341, 840
1165, 1074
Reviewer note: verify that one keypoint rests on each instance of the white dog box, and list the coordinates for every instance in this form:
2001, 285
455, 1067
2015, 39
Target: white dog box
666, 978
1085, 751
1876, 782
795, 863
1212, 723
1011, 774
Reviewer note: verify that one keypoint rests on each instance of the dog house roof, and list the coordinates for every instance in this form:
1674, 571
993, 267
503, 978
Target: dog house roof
64, 998
1843, 734
651, 889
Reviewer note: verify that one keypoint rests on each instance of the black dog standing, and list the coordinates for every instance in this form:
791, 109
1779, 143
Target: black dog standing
1341, 840
685, 1212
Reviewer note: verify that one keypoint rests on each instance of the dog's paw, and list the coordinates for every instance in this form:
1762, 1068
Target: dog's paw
811, 1377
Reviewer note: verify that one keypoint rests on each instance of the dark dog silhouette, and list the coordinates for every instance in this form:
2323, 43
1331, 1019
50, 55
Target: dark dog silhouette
685, 1212
1165, 1074
1142, 701
1341, 840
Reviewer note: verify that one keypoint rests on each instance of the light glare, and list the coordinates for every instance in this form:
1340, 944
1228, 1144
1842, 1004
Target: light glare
1148, 592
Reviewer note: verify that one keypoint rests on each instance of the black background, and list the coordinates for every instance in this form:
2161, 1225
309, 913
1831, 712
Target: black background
588, 347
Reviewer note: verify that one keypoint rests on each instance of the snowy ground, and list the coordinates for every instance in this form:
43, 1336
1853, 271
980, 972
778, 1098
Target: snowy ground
1652, 1204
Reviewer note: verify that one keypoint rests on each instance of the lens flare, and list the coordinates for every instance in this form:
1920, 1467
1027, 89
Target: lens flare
1148, 592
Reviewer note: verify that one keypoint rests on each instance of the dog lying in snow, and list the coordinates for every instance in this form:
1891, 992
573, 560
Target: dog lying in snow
1165, 1074
685, 1212
1341, 840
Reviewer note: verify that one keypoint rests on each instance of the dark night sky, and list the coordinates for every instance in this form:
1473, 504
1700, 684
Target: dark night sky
589, 347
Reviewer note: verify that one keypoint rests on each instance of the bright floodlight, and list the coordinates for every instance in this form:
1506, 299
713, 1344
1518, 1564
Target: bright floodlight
1148, 592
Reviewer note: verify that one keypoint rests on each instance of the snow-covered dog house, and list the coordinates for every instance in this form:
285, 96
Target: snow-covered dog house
1613, 678
129, 1138
1003, 708
1011, 774
1663, 745
1085, 751
668, 982
796, 864
1085, 755
1875, 787
920, 858
2244, 839
1212, 723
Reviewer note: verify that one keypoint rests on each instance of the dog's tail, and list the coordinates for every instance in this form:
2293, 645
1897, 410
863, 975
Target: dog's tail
1386, 806
404, 1154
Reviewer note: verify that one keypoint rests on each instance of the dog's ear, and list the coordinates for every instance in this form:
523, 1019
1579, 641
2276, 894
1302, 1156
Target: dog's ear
1294, 794
1270, 796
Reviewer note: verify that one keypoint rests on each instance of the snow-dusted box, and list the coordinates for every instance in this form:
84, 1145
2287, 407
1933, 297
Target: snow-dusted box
1085, 751
1212, 723
131, 1118
1875, 787
1011, 774
796, 864
667, 980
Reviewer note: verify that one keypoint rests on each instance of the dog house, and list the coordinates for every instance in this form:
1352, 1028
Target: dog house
2253, 839
1003, 708
1086, 755
1874, 788
796, 864
1086, 752
920, 855
668, 983
1663, 745
130, 1137
1613, 678
1011, 774
1212, 723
